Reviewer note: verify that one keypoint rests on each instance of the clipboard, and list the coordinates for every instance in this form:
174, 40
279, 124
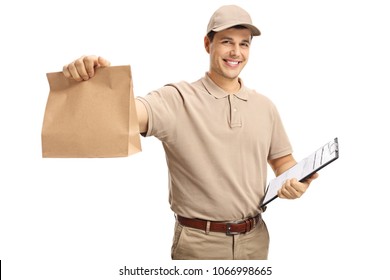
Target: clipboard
322, 157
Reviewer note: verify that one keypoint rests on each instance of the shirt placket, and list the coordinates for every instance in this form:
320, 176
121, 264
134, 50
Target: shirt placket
235, 116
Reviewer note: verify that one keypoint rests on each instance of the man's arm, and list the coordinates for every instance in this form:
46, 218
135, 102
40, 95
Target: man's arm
143, 117
292, 188
83, 68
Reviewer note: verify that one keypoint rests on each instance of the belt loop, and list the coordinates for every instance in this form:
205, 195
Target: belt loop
207, 227
247, 225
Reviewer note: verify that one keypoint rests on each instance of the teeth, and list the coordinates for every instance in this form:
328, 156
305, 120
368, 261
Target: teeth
233, 62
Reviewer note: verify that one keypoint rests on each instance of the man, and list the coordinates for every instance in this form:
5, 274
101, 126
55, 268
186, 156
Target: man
218, 136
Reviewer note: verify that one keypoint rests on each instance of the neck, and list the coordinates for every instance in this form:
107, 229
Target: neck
229, 85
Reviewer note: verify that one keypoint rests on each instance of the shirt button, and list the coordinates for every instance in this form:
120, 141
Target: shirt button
235, 109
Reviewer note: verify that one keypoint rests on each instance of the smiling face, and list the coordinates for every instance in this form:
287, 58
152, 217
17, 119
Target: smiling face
229, 53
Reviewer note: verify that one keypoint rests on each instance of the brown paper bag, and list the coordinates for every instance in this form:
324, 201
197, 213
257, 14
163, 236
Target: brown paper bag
94, 118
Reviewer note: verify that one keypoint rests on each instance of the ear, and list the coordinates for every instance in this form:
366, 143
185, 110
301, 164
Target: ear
207, 44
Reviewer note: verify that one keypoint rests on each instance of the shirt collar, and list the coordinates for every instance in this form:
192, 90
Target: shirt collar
219, 93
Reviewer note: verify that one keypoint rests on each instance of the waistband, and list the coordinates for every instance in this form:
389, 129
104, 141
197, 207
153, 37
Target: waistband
235, 228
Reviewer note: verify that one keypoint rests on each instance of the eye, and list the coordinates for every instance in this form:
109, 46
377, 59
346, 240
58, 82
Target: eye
226, 42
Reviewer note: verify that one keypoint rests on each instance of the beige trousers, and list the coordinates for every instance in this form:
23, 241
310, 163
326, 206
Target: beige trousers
195, 244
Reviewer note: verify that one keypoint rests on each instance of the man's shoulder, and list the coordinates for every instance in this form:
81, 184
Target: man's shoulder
185, 87
258, 96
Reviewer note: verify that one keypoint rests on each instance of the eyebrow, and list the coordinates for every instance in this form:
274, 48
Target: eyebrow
230, 38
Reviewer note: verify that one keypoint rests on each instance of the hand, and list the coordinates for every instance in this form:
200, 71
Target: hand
83, 69
292, 188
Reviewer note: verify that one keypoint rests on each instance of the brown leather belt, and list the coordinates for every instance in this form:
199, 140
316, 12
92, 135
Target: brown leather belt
228, 228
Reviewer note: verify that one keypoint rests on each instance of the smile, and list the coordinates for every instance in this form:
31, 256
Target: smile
231, 62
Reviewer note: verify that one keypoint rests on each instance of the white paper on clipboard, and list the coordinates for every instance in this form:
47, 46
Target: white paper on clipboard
303, 169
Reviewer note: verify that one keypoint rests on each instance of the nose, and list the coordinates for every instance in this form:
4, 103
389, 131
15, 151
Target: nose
235, 50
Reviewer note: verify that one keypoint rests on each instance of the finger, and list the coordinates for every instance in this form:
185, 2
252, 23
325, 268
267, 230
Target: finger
298, 187
282, 193
294, 189
80, 68
287, 191
90, 62
65, 71
73, 73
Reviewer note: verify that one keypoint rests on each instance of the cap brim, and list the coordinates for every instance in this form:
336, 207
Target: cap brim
254, 30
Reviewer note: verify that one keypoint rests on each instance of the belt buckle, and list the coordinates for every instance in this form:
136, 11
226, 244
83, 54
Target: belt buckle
228, 229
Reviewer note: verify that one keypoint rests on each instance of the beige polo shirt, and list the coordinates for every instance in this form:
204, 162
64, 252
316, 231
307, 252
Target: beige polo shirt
217, 145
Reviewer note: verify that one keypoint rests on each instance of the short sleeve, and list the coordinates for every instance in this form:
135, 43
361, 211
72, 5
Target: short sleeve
163, 107
280, 143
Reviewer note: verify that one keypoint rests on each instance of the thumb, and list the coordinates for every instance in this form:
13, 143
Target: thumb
102, 62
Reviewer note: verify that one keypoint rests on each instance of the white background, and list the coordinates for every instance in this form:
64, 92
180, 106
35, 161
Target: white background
325, 64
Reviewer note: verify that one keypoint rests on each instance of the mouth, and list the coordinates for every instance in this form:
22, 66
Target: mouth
232, 63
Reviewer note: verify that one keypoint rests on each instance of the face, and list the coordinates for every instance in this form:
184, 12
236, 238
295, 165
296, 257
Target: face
229, 53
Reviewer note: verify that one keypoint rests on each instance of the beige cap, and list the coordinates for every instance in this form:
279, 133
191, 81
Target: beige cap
229, 16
